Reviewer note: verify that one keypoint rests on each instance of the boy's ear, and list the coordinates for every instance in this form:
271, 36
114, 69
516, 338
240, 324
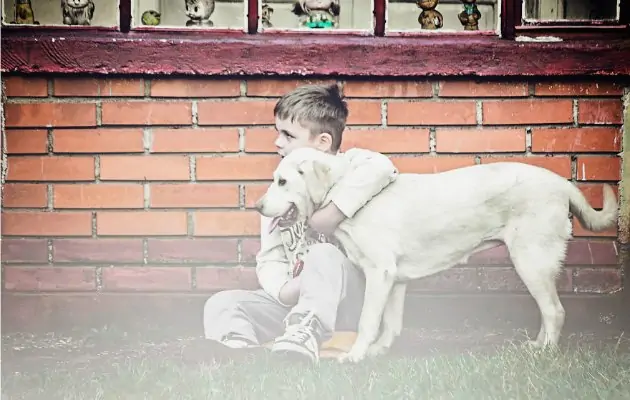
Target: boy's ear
324, 141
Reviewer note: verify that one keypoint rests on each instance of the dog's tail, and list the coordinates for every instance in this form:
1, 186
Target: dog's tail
590, 218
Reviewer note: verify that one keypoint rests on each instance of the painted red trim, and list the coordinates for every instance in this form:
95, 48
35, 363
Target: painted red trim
510, 17
380, 14
319, 55
124, 8
252, 16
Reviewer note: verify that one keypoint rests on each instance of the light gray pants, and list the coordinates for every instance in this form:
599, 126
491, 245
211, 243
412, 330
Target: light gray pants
330, 286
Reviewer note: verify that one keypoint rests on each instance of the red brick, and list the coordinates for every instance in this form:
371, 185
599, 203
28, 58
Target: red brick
576, 140
145, 168
227, 223
195, 87
98, 141
25, 86
231, 168
479, 140
47, 223
507, 280
578, 230
149, 278
561, 165
450, 280
494, 256
202, 140
24, 250
395, 89
226, 278
260, 140
510, 112
93, 195
192, 250
147, 113
97, 250
431, 164
235, 112
578, 89
253, 192
600, 112
598, 168
95, 87
32, 168
27, 141
25, 195
249, 250
594, 193
598, 280
198, 195
364, 112
592, 252
138, 223
278, 87
49, 278
482, 89
431, 113
405, 140
50, 114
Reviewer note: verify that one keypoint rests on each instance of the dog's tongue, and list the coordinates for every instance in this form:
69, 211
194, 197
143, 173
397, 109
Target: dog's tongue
274, 224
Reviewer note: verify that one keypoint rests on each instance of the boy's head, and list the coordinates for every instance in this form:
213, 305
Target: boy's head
310, 116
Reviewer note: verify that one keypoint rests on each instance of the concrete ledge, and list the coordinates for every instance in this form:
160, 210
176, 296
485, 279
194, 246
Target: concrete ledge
181, 314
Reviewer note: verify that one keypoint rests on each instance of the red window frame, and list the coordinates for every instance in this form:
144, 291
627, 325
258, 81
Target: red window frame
589, 48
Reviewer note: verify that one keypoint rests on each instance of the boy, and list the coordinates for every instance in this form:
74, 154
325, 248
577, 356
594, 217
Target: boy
309, 288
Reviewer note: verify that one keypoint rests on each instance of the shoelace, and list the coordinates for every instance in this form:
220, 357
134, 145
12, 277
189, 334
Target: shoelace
299, 332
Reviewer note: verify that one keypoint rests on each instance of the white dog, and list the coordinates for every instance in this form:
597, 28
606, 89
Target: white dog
425, 223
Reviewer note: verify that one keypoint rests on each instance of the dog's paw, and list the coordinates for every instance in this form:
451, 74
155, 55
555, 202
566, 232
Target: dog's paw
376, 350
350, 358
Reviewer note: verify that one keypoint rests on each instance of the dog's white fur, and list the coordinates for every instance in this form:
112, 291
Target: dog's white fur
426, 223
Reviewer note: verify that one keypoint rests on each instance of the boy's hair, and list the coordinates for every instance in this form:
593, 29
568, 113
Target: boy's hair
319, 108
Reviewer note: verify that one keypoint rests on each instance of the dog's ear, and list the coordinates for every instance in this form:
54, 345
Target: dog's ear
321, 171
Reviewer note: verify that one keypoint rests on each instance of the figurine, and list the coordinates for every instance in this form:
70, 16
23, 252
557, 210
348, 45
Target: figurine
429, 18
470, 16
77, 12
317, 13
199, 12
267, 11
24, 13
151, 17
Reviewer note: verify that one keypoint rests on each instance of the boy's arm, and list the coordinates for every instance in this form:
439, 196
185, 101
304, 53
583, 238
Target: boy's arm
369, 173
271, 261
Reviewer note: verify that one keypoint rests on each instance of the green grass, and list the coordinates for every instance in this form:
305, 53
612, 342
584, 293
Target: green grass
577, 371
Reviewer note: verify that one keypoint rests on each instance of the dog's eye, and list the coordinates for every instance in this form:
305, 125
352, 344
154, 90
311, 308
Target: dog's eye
300, 172
282, 182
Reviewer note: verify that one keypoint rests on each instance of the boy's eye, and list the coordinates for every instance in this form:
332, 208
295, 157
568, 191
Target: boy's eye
282, 182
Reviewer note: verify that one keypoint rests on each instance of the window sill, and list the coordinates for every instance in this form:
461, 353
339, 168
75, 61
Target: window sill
307, 55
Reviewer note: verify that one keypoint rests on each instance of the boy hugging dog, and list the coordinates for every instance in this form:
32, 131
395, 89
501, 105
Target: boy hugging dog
309, 289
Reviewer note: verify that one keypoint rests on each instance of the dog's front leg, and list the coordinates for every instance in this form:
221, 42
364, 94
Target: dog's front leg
378, 285
392, 321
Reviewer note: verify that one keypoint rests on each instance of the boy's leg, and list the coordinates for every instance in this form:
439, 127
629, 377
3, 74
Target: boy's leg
331, 297
242, 318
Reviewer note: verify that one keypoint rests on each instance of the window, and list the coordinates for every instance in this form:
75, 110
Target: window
364, 17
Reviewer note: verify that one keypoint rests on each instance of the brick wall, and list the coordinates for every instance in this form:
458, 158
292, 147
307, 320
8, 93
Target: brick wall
147, 184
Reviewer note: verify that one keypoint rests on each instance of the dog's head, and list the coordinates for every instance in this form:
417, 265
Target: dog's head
300, 184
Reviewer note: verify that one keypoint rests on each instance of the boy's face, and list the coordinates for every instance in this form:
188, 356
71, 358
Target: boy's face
292, 135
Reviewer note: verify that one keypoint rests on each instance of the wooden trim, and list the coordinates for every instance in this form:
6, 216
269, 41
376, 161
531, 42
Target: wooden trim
380, 15
124, 9
252, 16
510, 17
328, 55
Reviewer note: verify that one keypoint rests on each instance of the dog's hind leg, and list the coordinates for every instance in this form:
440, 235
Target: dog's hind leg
392, 321
538, 265
378, 285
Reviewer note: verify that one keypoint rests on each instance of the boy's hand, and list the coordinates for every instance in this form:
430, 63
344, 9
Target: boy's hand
326, 219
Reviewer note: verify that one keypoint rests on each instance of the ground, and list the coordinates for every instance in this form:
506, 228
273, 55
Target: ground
468, 363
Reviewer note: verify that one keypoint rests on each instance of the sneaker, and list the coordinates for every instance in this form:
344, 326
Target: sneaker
300, 339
